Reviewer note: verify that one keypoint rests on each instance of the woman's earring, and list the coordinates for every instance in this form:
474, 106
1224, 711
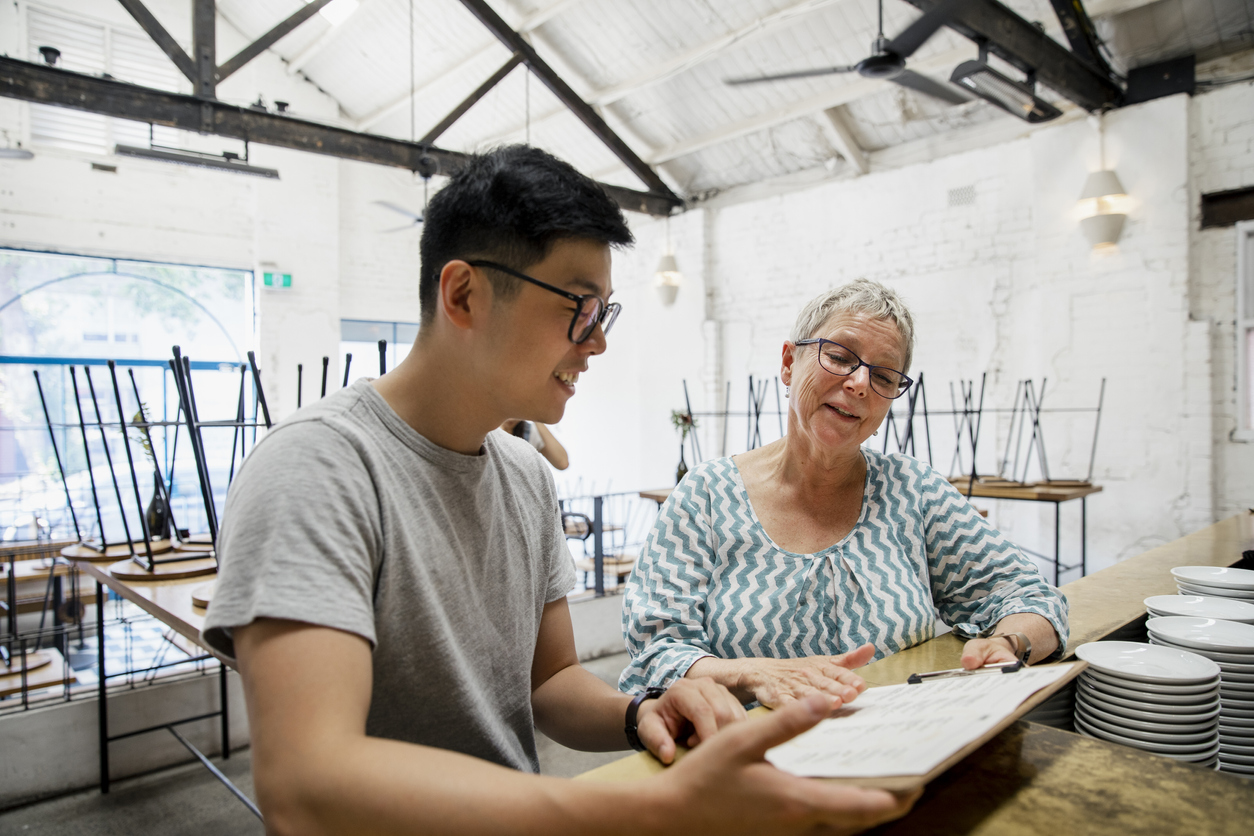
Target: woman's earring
786, 390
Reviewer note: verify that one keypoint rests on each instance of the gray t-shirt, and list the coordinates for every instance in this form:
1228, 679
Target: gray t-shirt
345, 517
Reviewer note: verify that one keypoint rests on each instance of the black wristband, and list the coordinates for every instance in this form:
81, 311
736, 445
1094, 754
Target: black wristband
633, 708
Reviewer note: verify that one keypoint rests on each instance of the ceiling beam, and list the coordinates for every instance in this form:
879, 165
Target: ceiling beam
844, 140
844, 94
529, 23
149, 23
1026, 47
40, 83
1110, 8
558, 86
277, 33
469, 102
302, 59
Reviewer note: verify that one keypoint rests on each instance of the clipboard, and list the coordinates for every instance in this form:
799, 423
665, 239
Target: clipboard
908, 783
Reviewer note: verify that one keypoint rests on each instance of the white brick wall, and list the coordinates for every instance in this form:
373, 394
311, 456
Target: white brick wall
1221, 157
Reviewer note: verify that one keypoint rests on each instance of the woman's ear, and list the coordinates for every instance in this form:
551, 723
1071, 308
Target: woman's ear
785, 371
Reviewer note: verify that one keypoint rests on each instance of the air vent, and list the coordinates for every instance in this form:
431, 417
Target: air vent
963, 196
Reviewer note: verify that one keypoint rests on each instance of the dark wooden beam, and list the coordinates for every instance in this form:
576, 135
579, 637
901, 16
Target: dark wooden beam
1026, 47
50, 85
161, 37
269, 39
204, 48
516, 43
459, 111
1081, 34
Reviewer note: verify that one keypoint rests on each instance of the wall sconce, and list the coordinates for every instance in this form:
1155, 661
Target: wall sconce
667, 277
1104, 225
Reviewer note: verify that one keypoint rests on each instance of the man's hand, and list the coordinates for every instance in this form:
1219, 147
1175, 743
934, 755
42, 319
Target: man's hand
777, 682
727, 787
691, 710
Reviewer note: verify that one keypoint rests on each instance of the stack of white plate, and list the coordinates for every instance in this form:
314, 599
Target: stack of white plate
1057, 711
1230, 645
1226, 609
1159, 699
1215, 582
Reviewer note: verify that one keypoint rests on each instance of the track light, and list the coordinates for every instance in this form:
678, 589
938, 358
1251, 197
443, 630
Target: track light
1011, 96
224, 162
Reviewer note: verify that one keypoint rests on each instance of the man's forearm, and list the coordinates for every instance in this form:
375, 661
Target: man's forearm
375, 786
578, 710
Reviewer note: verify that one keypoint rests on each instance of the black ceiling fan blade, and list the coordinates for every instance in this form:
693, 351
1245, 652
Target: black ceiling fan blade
407, 213
785, 76
405, 227
930, 87
917, 33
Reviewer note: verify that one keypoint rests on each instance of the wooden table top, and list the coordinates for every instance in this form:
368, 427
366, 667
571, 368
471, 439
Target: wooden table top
1033, 493
52, 674
1036, 779
170, 602
658, 495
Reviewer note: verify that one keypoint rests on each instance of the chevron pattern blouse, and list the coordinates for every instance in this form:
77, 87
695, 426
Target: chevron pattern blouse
710, 582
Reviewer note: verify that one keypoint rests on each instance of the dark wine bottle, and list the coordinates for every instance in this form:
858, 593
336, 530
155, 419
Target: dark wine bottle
158, 514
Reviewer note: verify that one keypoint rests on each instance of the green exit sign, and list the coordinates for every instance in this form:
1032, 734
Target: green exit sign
276, 281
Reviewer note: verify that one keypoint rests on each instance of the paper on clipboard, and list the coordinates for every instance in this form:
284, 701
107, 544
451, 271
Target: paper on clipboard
909, 730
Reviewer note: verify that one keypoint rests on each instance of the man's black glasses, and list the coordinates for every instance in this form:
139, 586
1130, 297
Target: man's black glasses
838, 360
590, 309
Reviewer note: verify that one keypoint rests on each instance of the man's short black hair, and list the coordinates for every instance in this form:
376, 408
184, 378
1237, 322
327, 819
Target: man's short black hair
512, 205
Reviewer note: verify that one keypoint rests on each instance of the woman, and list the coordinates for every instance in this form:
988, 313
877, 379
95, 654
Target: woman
778, 571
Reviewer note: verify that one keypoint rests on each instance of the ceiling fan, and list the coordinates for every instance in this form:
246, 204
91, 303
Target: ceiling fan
416, 219
888, 58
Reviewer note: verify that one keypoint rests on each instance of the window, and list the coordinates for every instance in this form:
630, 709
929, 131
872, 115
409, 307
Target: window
91, 47
1245, 330
61, 311
360, 337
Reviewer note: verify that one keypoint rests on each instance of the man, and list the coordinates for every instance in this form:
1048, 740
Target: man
394, 574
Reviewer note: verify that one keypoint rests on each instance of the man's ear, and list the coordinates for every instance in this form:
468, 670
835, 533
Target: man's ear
785, 371
464, 294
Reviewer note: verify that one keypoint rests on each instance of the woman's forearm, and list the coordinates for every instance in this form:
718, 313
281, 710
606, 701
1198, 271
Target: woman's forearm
1037, 628
730, 673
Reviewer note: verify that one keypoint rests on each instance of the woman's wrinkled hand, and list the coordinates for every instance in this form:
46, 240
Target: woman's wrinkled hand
980, 652
777, 682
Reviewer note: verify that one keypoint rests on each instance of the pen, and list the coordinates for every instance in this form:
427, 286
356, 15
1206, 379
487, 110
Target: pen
996, 667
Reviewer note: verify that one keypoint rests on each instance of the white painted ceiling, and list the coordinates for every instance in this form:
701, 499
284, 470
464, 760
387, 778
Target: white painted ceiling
655, 70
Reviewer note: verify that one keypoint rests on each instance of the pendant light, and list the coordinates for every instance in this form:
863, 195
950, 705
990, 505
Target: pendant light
1101, 198
667, 277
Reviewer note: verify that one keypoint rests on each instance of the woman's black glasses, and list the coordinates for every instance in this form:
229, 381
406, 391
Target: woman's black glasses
590, 309
838, 360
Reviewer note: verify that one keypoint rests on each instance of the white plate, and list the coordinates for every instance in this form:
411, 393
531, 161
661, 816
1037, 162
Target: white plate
1113, 703
1242, 579
1203, 751
1094, 703
1206, 633
1148, 663
1200, 607
1214, 655
1140, 686
1214, 592
1199, 738
1236, 769
1127, 692
1176, 725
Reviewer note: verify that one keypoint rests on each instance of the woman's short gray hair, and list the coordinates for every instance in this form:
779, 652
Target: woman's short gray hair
858, 296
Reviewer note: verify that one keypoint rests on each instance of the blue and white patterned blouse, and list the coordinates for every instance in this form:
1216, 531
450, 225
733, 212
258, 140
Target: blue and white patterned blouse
710, 582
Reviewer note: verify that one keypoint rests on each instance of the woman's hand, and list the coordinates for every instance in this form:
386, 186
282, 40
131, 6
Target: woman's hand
777, 682
980, 652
